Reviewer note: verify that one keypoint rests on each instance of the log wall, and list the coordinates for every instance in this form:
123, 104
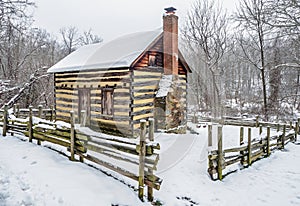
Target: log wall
66, 97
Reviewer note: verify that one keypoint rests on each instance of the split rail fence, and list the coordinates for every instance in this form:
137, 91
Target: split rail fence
38, 124
249, 150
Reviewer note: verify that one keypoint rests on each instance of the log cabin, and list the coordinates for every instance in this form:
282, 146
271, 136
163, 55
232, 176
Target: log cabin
138, 76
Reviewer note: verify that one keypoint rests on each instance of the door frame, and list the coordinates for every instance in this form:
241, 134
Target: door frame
84, 93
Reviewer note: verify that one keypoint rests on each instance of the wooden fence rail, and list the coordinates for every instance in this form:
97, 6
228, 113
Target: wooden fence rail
115, 153
249, 151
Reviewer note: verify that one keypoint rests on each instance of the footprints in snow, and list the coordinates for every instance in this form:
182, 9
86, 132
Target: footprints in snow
13, 189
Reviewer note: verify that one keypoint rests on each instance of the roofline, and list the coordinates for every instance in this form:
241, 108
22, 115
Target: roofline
183, 61
180, 56
91, 70
147, 49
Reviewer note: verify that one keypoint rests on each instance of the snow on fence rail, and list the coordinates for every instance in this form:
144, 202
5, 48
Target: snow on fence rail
250, 150
121, 155
236, 121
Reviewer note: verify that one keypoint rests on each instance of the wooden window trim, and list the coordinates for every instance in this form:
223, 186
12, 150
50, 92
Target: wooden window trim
152, 61
103, 92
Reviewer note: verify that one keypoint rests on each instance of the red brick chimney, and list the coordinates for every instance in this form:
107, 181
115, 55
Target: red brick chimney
170, 41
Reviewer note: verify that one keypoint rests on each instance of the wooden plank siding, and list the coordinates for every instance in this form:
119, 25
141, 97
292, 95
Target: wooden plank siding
66, 97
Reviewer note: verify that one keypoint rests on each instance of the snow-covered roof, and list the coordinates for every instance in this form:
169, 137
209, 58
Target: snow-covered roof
120, 52
164, 85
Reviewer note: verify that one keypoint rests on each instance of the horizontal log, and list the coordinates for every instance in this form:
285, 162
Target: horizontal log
150, 75
147, 83
93, 80
141, 90
119, 170
110, 166
142, 116
19, 131
146, 111
66, 100
122, 102
150, 69
50, 139
60, 141
146, 73
231, 156
66, 92
93, 72
59, 87
81, 136
118, 140
17, 127
95, 145
118, 156
233, 161
93, 75
259, 145
18, 122
237, 149
148, 104
257, 155
145, 96
56, 133
89, 84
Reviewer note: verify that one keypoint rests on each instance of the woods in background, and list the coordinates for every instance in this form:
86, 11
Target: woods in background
26, 53
247, 62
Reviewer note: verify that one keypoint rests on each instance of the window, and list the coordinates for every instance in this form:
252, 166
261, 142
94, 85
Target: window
152, 60
107, 101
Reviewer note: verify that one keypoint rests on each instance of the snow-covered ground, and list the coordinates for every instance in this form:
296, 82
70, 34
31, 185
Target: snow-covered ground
270, 181
35, 175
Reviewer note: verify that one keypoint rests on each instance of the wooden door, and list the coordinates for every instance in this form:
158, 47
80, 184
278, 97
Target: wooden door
84, 103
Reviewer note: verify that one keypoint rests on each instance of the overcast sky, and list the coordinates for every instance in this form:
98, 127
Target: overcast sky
110, 18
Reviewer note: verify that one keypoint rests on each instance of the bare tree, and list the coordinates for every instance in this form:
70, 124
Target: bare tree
206, 34
89, 38
253, 15
70, 37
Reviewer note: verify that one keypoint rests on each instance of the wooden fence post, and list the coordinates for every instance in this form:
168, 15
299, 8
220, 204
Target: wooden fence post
40, 114
241, 135
268, 141
220, 153
283, 136
12, 122
249, 147
17, 110
209, 135
296, 131
5, 120
150, 171
241, 143
51, 113
82, 118
72, 136
278, 127
151, 129
142, 159
30, 124
260, 129
256, 121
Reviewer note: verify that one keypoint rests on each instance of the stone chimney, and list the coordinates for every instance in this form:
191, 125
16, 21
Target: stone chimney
170, 41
